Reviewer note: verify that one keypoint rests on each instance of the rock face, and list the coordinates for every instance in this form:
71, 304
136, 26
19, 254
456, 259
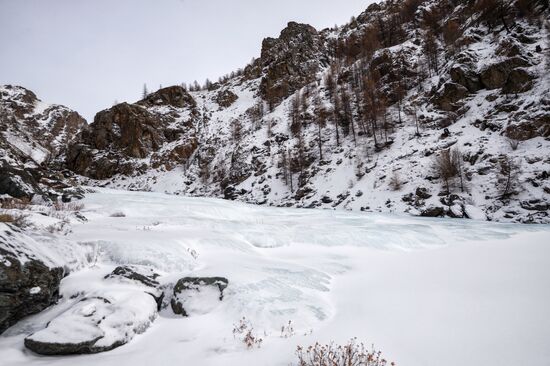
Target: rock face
497, 75
16, 182
125, 133
290, 61
197, 295
530, 128
433, 212
49, 126
466, 77
519, 81
174, 96
450, 95
33, 140
26, 287
95, 324
226, 98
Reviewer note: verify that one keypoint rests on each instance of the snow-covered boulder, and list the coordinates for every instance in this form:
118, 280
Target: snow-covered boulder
142, 276
96, 324
197, 295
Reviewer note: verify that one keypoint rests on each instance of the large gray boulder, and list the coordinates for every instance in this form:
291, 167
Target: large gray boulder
197, 295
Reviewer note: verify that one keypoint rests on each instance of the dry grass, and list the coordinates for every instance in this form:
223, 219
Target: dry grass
15, 203
70, 206
17, 220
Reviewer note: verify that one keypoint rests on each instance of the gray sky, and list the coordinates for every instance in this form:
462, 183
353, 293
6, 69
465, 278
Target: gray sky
87, 54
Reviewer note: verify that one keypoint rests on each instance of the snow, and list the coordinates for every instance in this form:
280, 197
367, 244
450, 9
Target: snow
474, 213
105, 320
424, 291
53, 251
35, 290
200, 301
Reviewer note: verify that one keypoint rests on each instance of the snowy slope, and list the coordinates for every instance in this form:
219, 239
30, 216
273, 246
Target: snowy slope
356, 173
425, 291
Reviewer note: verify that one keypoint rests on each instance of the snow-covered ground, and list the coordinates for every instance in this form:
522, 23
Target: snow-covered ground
424, 291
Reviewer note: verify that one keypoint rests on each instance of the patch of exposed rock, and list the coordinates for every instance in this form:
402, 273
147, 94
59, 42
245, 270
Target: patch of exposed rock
27, 285
290, 61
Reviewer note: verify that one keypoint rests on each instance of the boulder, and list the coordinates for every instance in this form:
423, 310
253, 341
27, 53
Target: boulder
529, 128
466, 77
535, 205
423, 193
18, 183
145, 277
27, 286
225, 98
142, 276
197, 295
95, 324
433, 211
448, 96
519, 81
496, 75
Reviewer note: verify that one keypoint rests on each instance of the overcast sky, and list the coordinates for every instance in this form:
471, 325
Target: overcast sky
87, 54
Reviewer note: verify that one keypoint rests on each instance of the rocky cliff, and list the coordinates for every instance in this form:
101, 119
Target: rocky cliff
34, 137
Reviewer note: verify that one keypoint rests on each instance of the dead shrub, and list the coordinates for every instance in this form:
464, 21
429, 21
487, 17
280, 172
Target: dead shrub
352, 353
70, 206
395, 182
15, 203
245, 332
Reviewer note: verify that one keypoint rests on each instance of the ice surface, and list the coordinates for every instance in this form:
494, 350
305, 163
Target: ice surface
426, 291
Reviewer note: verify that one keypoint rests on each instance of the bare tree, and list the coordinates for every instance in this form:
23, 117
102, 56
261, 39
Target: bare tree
431, 51
236, 131
285, 164
446, 168
295, 115
508, 176
320, 121
458, 160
